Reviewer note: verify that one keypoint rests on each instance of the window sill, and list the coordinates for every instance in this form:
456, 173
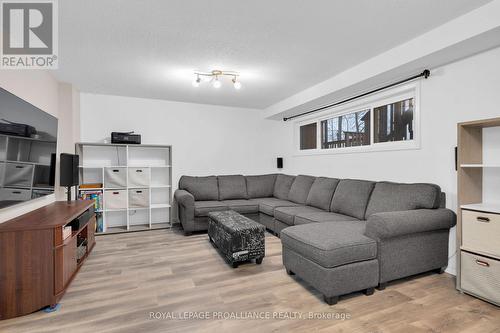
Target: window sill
378, 147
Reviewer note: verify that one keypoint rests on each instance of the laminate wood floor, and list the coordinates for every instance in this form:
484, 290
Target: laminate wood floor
129, 277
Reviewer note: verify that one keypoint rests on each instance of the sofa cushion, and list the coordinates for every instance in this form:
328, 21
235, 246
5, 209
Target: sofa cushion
312, 217
391, 197
300, 188
287, 214
267, 205
321, 192
351, 197
282, 186
202, 188
243, 206
202, 208
330, 244
260, 186
232, 187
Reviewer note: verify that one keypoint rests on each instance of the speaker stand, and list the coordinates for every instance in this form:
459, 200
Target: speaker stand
69, 193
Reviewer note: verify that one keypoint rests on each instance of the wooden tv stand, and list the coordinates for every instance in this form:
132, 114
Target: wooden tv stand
36, 263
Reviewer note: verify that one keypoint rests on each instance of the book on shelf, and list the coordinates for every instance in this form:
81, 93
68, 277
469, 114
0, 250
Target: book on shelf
90, 186
92, 195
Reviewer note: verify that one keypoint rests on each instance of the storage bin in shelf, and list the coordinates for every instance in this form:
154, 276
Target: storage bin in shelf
138, 198
18, 174
115, 199
138, 177
15, 194
115, 177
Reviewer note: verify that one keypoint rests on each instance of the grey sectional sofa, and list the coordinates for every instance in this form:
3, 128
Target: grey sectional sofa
340, 235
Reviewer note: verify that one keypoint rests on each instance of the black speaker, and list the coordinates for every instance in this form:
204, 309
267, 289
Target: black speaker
69, 170
279, 162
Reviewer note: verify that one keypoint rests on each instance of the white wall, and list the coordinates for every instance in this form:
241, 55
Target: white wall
462, 91
206, 139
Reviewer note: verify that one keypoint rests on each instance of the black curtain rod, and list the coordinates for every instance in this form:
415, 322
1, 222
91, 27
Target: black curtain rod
425, 74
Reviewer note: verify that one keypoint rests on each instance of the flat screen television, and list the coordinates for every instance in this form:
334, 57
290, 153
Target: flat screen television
28, 143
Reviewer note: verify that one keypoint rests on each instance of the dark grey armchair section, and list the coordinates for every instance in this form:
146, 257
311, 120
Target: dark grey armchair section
410, 242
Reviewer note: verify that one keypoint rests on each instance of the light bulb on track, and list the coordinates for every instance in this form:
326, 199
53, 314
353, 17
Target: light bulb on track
196, 83
236, 84
216, 83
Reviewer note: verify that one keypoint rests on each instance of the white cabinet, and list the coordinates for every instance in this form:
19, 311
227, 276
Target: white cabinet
132, 184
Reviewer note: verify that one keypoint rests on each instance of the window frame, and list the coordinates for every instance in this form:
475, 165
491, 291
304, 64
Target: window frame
369, 103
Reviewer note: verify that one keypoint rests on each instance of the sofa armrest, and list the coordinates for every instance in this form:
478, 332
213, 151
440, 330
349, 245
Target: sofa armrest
185, 201
394, 224
184, 198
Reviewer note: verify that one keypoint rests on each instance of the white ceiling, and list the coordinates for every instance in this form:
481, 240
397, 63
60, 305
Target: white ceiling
150, 48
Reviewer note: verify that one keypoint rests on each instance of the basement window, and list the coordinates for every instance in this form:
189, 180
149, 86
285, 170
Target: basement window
394, 122
386, 121
308, 136
348, 130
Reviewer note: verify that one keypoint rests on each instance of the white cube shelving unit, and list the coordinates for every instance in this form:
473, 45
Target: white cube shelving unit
135, 183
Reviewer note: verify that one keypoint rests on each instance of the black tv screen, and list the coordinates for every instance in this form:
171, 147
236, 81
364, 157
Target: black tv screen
28, 143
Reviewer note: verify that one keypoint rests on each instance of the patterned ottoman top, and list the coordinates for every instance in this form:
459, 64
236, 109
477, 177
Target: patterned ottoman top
234, 221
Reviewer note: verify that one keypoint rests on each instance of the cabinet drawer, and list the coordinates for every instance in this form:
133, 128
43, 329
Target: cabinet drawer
481, 232
480, 276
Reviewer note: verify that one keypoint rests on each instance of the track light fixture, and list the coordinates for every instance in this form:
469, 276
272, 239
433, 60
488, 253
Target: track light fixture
215, 76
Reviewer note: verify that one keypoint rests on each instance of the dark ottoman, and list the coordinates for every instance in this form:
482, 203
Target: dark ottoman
237, 237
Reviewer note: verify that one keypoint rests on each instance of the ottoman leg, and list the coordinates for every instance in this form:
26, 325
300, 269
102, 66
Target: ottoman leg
382, 285
331, 300
369, 291
258, 261
187, 233
235, 264
289, 272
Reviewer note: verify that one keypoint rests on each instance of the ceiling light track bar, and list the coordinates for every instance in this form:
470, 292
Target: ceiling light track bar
217, 73
425, 74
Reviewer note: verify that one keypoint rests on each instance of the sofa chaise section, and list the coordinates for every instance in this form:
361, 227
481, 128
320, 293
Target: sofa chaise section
335, 258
